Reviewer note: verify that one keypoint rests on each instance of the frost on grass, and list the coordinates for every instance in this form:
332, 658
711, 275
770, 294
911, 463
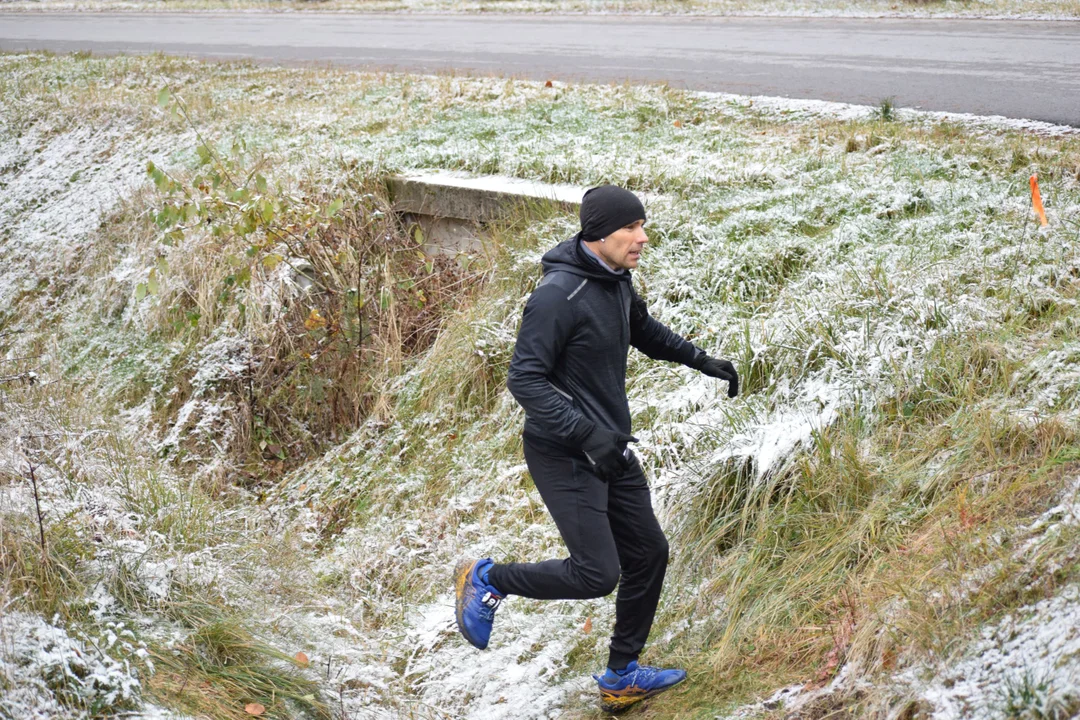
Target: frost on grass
1024, 666
204, 417
804, 109
46, 673
837, 279
57, 189
532, 657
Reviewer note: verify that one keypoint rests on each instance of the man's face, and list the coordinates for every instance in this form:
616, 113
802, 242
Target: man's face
622, 248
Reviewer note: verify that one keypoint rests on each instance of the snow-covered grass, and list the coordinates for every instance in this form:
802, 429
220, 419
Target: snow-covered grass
998, 9
46, 672
895, 477
1015, 668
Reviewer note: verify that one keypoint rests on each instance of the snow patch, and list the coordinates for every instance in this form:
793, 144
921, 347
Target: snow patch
531, 655
47, 673
808, 109
57, 189
1026, 665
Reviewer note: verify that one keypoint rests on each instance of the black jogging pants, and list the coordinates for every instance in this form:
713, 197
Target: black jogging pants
613, 537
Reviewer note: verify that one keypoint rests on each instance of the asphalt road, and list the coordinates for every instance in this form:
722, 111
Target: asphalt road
1013, 68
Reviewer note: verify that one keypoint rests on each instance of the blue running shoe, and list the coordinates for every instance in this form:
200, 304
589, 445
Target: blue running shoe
619, 692
476, 601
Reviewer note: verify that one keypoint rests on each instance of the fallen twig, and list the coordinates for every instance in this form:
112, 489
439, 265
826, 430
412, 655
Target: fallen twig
29, 377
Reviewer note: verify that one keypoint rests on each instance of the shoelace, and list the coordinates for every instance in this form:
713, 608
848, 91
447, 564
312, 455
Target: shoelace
644, 675
641, 677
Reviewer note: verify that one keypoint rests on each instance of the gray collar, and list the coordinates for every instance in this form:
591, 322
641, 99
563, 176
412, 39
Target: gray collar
599, 261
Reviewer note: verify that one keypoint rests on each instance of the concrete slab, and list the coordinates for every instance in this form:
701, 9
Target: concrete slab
445, 236
478, 199
452, 208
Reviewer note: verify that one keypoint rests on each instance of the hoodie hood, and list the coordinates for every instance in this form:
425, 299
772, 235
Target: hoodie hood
569, 256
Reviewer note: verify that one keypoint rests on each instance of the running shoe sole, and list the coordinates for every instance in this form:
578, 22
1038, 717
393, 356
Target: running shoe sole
612, 702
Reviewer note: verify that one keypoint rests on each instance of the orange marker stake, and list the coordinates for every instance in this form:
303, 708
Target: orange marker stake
1036, 200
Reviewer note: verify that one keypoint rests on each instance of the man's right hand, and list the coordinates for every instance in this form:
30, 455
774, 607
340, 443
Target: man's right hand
602, 448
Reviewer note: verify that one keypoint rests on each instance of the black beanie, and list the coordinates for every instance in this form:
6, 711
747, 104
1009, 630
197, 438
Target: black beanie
607, 208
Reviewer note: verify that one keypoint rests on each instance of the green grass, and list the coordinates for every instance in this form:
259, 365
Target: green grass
879, 278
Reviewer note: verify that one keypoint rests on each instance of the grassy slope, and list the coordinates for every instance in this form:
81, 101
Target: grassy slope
906, 335
1060, 9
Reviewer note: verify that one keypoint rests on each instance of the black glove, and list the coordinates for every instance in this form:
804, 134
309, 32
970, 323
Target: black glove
601, 446
721, 369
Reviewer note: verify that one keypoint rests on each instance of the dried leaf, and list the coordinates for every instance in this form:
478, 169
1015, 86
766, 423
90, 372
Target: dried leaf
548, 84
678, 123
254, 709
588, 626
315, 320
301, 659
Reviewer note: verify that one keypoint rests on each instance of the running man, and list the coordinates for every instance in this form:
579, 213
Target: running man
569, 373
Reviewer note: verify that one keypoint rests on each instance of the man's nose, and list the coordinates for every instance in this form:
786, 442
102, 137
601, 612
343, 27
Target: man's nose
641, 236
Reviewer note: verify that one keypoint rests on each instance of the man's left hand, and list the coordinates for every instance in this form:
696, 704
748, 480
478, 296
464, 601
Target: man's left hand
724, 370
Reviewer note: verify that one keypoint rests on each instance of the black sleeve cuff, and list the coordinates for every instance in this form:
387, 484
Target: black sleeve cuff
698, 359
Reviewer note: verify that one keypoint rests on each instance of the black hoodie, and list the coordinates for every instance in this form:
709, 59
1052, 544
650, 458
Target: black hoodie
569, 365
